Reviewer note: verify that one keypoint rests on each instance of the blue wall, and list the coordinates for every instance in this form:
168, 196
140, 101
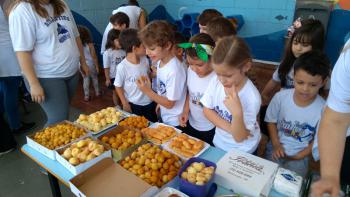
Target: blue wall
259, 15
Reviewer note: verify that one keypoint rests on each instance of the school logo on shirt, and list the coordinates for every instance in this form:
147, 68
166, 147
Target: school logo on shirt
289, 82
195, 98
63, 33
118, 60
131, 79
302, 132
161, 88
223, 114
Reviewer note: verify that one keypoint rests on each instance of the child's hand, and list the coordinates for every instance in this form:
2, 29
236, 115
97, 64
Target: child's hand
154, 71
108, 82
183, 119
85, 69
278, 152
232, 102
97, 69
143, 83
127, 107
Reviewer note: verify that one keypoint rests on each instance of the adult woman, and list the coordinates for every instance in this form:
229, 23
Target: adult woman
334, 132
47, 44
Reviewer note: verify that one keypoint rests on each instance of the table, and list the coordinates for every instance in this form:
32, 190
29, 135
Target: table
57, 172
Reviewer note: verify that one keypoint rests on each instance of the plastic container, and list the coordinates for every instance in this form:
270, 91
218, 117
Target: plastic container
194, 190
189, 19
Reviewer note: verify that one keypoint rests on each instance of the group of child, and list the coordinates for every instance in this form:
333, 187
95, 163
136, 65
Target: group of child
202, 86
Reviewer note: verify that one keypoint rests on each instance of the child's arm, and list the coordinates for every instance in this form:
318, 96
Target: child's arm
145, 86
302, 154
233, 104
186, 110
82, 59
268, 91
125, 102
94, 56
108, 79
213, 117
278, 150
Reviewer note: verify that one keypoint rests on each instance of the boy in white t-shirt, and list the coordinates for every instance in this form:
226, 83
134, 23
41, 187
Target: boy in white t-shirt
231, 101
294, 114
199, 75
135, 66
158, 38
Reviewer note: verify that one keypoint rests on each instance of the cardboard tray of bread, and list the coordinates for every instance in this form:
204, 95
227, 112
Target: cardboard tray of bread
159, 133
55, 136
186, 146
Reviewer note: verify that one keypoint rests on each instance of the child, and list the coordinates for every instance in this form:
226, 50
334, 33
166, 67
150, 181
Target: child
158, 38
111, 58
310, 36
134, 66
231, 101
293, 114
91, 61
220, 27
199, 74
205, 17
178, 51
118, 21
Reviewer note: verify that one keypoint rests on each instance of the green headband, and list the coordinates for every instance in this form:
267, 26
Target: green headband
202, 50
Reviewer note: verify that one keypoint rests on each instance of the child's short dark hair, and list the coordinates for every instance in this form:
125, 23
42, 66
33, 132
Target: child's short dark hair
120, 18
158, 33
85, 35
207, 15
112, 35
128, 39
220, 27
314, 63
200, 38
179, 38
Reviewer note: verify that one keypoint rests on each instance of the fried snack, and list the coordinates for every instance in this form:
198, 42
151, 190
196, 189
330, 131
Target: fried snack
83, 151
123, 140
137, 122
59, 135
197, 173
99, 120
152, 164
159, 135
186, 146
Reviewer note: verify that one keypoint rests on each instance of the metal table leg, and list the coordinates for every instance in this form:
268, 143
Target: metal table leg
55, 188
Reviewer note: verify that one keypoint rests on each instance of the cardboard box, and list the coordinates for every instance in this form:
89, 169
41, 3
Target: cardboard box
118, 154
45, 151
245, 173
83, 166
109, 179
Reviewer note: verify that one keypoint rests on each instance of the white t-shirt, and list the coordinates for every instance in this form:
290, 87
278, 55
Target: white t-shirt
196, 87
111, 59
88, 57
52, 41
126, 77
171, 82
133, 13
296, 125
249, 96
8, 61
289, 81
339, 95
